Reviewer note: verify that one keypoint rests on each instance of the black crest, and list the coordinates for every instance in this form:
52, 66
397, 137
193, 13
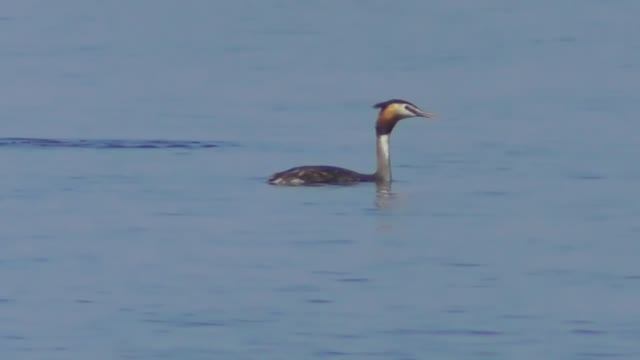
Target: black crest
384, 104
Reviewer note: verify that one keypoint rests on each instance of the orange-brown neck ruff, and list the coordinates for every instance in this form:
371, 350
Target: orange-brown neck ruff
387, 119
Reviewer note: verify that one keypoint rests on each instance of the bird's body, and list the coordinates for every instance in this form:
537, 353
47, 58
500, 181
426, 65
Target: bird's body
318, 175
390, 113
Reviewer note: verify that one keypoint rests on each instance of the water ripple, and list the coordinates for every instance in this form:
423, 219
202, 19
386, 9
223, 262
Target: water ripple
353, 280
319, 301
109, 143
186, 323
600, 355
446, 332
588, 332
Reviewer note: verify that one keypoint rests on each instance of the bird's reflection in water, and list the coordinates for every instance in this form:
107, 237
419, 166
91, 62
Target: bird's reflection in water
384, 196
384, 202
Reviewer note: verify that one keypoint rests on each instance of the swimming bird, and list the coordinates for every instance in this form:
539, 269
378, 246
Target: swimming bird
391, 111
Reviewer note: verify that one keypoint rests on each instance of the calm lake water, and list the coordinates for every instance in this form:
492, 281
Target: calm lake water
136, 222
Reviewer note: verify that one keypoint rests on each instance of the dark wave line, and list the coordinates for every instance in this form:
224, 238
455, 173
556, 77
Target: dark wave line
109, 143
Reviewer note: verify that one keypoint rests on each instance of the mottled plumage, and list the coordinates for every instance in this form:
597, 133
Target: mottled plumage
318, 175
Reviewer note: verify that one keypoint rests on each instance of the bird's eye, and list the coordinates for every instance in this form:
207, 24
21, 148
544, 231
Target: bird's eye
410, 109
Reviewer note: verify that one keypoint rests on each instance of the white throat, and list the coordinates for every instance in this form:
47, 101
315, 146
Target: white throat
383, 172
383, 140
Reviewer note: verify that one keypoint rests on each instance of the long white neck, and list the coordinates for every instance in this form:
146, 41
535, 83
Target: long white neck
383, 173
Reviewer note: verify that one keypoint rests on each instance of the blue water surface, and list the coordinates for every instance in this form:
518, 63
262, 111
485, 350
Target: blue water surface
136, 138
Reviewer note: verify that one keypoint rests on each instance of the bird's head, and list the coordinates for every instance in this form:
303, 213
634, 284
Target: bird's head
394, 110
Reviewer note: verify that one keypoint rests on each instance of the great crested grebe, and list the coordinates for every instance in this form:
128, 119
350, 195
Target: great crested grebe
391, 111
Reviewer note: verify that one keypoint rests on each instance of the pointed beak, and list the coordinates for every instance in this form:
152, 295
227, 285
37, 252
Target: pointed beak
420, 113
427, 115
